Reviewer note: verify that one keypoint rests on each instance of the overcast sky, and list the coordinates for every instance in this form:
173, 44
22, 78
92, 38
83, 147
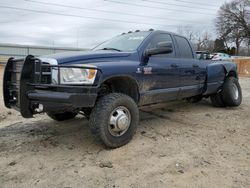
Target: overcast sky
85, 23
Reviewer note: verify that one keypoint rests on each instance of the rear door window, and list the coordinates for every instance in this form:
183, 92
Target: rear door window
184, 47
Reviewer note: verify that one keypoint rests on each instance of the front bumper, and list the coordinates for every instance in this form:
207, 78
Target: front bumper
60, 101
75, 99
26, 87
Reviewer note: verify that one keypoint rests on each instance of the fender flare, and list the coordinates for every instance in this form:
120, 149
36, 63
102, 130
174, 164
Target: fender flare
124, 76
230, 67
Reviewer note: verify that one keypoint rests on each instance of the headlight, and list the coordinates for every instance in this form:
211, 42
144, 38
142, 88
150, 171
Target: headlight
77, 75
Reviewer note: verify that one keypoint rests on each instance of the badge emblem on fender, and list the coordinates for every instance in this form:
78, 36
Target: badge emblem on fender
147, 70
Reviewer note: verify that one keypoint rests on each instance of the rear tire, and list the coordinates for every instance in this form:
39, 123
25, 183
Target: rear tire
231, 92
114, 119
61, 116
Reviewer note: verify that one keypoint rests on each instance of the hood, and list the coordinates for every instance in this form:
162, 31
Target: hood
87, 56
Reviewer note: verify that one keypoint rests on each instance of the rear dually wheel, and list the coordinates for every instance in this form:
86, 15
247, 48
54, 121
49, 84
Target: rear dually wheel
230, 94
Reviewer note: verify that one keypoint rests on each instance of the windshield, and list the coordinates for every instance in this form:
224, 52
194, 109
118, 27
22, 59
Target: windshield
125, 42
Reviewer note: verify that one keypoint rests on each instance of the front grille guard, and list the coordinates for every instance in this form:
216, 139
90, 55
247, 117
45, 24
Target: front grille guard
18, 77
29, 79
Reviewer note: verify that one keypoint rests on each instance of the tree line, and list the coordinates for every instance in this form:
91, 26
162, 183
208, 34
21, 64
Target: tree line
232, 26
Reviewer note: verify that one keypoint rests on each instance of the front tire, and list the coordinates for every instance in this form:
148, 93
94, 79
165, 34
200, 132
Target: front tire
114, 119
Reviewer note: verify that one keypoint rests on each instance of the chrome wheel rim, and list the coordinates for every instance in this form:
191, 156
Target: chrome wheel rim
119, 121
235, 92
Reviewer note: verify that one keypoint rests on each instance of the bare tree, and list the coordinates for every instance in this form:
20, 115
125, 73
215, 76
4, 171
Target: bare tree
200, 39
186, 31
233, 22
204, 41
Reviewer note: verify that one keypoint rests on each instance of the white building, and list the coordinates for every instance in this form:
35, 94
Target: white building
14, 50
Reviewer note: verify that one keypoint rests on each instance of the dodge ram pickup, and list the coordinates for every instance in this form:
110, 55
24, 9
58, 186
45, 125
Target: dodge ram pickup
109, 83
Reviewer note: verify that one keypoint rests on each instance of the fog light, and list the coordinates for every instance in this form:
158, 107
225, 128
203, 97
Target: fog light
39, 108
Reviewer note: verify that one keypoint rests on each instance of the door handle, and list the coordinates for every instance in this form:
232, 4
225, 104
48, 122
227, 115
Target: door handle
174, 65
195, 66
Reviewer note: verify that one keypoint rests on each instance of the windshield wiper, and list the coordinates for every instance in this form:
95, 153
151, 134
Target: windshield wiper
115, 49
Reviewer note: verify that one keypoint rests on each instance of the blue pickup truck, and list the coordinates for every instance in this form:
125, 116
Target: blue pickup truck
109, 83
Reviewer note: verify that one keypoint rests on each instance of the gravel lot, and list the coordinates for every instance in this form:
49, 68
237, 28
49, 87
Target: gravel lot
176, 145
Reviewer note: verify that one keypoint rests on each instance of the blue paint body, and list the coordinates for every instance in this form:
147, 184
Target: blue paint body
162, 82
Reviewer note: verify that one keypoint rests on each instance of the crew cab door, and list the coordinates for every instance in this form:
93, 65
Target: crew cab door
190, 69
161, 80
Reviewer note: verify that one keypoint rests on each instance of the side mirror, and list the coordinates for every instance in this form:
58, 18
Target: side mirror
161, 48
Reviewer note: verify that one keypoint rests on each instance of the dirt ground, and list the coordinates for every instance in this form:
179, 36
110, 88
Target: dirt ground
177, 145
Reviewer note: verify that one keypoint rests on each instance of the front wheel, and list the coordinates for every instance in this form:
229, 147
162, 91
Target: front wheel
114, 119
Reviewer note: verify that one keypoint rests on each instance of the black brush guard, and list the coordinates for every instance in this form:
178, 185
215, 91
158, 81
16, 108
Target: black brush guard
24, 87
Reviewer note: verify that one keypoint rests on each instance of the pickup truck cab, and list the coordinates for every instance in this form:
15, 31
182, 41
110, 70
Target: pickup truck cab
109, 83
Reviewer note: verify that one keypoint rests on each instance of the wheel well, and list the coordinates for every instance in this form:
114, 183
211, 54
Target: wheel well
232, 74
124, 85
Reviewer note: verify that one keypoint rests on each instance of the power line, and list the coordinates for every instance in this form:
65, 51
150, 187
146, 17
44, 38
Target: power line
178, 5
106, 11
156, 7
78, 16
190, 2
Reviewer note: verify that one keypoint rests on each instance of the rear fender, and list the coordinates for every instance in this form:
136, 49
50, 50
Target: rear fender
230, 68
216, 74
